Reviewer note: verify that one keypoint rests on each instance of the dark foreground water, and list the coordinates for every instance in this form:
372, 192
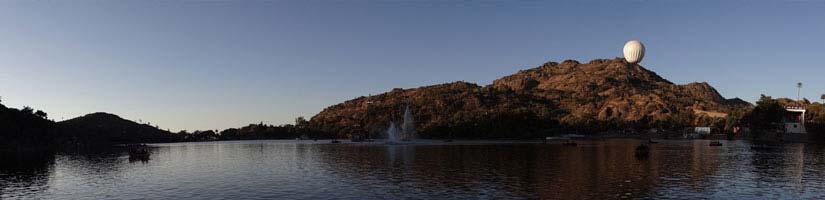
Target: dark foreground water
459, 170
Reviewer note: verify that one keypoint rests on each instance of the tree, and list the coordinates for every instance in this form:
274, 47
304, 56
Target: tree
301, 122
41, 114
27, 110
764, 116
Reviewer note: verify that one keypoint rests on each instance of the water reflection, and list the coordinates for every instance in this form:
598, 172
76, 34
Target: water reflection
24, 174
309, 170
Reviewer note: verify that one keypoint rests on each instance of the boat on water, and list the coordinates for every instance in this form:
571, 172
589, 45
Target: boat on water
138, 151
715, 144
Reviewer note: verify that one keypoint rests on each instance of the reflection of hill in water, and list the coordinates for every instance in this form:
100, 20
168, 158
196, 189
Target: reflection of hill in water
432, 171
505, 170
35, 171
597, 170
24, 172
267, 169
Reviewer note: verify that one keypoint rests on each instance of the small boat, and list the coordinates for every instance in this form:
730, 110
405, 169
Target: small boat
715, 144
448, 140
334, 141
138, 152
650, 141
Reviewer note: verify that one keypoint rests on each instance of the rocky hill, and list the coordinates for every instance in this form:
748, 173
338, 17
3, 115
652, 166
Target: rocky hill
603, 94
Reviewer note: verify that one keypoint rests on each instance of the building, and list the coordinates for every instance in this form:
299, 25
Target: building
702, 130
794, 120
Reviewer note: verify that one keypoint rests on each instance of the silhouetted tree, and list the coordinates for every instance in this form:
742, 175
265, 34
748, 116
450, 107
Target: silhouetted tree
301, 122
27, 110
764, 116
41, 114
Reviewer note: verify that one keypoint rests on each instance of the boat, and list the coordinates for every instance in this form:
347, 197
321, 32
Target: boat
569, 143
650, 141
334, 141
715, 144
138, 152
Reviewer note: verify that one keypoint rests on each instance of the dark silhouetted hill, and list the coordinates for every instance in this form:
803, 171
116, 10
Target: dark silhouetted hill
23, 129
110, 128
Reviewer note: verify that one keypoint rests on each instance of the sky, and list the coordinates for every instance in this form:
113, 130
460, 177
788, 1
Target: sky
198, 65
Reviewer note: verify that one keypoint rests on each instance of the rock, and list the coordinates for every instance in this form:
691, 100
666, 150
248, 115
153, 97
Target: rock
603, 94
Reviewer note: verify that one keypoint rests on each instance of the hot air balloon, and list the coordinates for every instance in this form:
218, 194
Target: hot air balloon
634, 51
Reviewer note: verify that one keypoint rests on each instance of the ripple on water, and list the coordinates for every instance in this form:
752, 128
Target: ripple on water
426, 170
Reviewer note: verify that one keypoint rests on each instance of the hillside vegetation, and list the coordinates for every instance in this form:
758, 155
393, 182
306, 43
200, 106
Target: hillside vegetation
601, 95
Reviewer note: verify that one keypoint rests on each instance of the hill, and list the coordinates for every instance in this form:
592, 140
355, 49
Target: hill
24, 129
601, 95
110, 128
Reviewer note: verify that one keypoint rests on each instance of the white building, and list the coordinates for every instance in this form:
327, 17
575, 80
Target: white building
701, 130
794, 120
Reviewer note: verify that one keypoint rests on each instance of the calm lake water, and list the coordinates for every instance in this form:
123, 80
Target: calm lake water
459, 170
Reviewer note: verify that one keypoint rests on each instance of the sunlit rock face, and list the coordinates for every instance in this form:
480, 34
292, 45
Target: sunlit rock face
567, 94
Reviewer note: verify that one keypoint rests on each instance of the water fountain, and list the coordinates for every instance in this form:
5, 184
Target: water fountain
408, 127
392, 133
405, 133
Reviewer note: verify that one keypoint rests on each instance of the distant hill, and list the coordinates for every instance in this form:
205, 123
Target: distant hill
603, 94
109, 128
24, 129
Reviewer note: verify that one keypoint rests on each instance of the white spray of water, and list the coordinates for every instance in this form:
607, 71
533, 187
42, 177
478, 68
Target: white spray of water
407, 130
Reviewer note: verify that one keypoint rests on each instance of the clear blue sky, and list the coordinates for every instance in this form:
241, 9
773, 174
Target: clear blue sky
215, 65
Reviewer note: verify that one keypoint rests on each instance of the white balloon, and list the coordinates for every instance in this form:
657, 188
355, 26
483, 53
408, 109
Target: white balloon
634, 51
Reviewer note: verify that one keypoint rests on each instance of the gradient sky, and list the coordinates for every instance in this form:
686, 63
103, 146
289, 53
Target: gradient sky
215, 65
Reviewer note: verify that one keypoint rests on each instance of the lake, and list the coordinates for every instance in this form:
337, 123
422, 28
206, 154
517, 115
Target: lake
288, 169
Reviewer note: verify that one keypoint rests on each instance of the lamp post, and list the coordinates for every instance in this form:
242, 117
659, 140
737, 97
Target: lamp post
798, 90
